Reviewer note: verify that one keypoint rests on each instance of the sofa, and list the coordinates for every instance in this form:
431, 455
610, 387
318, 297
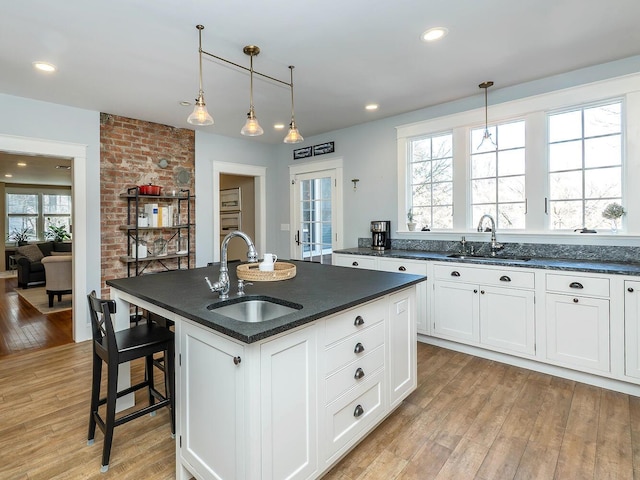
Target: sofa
29, 261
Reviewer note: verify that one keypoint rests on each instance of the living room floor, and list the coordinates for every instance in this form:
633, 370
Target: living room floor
23, 328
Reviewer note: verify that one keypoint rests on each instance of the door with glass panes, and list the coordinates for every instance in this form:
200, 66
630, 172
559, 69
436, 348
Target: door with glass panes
314, 203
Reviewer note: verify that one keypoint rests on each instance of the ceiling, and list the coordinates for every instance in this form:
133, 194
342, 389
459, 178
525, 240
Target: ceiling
139, 58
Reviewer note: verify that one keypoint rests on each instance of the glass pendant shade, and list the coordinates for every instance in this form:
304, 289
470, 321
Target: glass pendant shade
252, 128
200, 115
294, 135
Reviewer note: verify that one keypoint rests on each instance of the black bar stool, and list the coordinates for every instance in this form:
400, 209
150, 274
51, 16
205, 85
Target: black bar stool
114, 348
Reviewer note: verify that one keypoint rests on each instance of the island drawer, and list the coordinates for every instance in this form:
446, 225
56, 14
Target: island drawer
505, 277
354, 347
354, 374
577, 285
350, 415
354, 320
355, 261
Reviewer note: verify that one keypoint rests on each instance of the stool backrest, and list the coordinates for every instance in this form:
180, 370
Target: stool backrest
101, 324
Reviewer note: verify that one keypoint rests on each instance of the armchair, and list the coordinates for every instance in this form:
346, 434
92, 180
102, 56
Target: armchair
58, 276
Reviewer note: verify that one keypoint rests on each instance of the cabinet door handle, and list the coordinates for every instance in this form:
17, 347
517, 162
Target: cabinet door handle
505, 278
237, 360
575, 300
482, 292
475, 290
455, 273
575, 285
354, 264
358, 411
630, 289
359, 374
359, 348
359, 321
402, 268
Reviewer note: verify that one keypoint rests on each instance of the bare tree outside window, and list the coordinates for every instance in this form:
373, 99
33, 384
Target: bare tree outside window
585, 165
431, 180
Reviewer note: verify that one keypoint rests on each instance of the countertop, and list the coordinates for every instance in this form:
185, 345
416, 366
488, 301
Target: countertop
321, 290
611, 268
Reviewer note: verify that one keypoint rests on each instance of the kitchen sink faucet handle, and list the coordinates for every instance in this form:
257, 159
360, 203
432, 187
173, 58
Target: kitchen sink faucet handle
241, 285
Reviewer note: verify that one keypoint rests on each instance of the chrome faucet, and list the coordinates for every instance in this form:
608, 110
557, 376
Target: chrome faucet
222, 285
494, 244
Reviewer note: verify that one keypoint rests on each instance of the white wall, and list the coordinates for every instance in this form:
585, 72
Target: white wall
23, 117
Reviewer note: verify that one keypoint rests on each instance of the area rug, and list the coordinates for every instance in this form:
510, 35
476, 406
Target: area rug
9, 274
37, 296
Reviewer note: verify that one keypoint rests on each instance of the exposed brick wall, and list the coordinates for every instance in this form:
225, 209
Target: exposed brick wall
129, 154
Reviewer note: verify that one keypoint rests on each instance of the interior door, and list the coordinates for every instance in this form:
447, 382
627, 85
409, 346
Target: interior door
314, 200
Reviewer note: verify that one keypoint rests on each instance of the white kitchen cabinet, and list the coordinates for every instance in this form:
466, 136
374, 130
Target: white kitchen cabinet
632, 328
355, 261
402, 338
577, 321
469, 307
289, 420
211, 403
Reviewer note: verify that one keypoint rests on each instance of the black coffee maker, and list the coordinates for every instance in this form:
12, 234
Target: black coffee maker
381, 235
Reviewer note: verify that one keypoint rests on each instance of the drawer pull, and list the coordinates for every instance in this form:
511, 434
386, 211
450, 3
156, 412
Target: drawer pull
402, 268
359, 411
576, 285
359, 374
359, 321
630, 289
505, 278
575, 300
354, 264
237, 360
359, 348
455, 273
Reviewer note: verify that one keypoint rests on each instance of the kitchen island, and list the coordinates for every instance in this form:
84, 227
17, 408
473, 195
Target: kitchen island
287, 397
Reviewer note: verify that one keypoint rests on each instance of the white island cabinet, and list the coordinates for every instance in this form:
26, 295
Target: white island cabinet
289, 406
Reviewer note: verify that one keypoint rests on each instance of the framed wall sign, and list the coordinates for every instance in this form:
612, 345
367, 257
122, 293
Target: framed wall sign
321, 149
302, 153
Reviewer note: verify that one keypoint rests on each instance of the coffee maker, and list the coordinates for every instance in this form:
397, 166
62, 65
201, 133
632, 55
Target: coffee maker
381, 235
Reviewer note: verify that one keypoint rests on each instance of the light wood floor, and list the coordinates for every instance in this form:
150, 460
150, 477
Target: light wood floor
469, 419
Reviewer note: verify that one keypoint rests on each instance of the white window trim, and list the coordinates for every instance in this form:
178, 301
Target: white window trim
533, 110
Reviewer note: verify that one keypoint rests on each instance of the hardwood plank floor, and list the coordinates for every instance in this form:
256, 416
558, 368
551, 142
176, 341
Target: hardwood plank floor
470, 418
23, 328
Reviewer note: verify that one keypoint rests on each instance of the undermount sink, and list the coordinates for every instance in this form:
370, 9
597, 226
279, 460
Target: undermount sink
254, 308
462, 256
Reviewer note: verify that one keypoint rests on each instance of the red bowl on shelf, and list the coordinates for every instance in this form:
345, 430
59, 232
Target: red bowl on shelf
149, 189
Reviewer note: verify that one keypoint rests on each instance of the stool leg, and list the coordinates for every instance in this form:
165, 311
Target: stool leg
112, 395
170, 384
148, 371
95, 397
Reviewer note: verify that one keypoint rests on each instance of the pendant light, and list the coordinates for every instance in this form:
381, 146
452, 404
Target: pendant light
200, 115
252, 128
294, 135
487, 136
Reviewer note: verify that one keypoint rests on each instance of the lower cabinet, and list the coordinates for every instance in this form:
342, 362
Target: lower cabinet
290, 406
577, 321
469, 308
632, 328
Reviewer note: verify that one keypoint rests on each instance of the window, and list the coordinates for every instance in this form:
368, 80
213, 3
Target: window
36, 211
585, 165
498, 175
431, 178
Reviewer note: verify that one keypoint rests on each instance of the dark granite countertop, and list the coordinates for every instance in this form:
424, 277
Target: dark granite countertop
321, 290
590, 266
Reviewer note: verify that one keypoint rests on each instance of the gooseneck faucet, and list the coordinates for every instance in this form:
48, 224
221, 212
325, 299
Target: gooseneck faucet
222, 285
494, 244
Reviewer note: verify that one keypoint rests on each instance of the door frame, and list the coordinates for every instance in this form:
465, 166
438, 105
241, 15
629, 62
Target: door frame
78, 155
259, 175
311, 167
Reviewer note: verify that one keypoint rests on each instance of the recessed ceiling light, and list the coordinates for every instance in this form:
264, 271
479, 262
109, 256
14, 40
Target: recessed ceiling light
8, 175
21, 164
371, 107
44, 67
433, 34
279, 126
184, 103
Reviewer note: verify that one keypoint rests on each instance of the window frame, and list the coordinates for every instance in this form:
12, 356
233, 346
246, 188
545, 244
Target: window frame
40, 216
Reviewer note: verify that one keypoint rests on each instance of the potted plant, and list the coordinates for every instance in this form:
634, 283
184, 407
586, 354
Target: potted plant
58, 233
410, 223
21, 235
613, 212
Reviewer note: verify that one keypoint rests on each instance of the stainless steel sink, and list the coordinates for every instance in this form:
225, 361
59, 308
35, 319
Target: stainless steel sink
462, 256
254, 308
